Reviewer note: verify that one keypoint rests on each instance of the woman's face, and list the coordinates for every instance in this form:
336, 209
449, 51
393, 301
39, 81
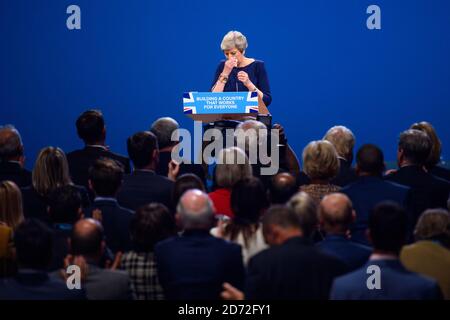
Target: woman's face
234, 53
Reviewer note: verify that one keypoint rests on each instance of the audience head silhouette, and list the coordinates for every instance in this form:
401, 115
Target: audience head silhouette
87, 240
280, 223
320, 160
336, 213
305, 209
33, 242
388, 224
414, 148
91, 127
11, 212
11, 147
186, 182
105, 177
434, 157
163, 129
195, 210
343, 141
434, 225
282, 187
233, 165
369, 161
65, 205
143, 150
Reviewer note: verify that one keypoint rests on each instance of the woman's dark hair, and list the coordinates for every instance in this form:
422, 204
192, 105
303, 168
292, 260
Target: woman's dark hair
184, 183
248, 202
151, 224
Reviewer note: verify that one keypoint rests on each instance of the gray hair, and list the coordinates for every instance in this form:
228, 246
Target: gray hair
199, 218
306, 211
10, 142
250, 133
342, 139
234, 39
232, 166
163, 129
416, 146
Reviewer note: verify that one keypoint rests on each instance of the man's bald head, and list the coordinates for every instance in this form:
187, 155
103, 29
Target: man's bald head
87, 238
282, 187
336, 213
195, 210
11, 147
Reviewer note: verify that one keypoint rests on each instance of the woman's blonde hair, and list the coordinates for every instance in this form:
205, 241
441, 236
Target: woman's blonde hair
50, 171
320, 160
234, 39
11, 212
435, 154
232, 166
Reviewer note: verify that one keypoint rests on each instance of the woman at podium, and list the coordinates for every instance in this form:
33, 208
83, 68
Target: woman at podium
239, 73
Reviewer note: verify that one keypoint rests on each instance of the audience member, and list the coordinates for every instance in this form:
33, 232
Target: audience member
143, 185
321, 164
64, 208
388, 224
105, 179
33, 242
195, 264
306, 210
335, 215
432, 164
370, 189
165, 131
281, 188
184, 183
12, 158
430, 254
151, 224
427, 191
11, 212
232, 166
248, 201
292, 269
100, 284
50, 172
92, 130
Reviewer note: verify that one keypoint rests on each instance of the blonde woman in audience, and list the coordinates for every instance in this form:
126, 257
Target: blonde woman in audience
248, 202
321, 165
50, 171
232, 166
11, 215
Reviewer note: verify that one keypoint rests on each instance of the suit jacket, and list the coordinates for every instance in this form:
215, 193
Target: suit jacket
116, 223
35, 205
12, 171
427, 191
196, 264
440, 172
81, 160
353, 254
142, 187
37, 285
430, 259
365, 193
105, 284
396, 284
163, 167
294, 270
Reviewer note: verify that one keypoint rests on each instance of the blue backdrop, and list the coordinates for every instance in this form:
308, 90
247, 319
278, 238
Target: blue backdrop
134, 58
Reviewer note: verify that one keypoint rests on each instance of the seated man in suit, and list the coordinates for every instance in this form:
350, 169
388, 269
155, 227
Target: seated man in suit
91, 129
100, 284
430, 254
293, 268
370, 189
336, 214
427, 191
33, 241
195, 264
144, 185
163, 128
281, 188
12, 157
64, 209
105, 179
384, 277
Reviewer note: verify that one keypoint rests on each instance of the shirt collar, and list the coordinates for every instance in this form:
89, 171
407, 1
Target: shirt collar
97, 146
111, 199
